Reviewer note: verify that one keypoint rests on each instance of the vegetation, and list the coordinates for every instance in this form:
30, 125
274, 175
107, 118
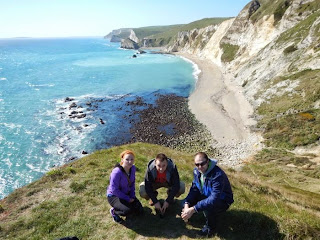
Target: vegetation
75, 203
229, 52
300, 31
163, 35
291, 120
290, 49
268, 7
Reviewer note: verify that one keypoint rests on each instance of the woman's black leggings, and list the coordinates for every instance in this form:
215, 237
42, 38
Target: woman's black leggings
124, 208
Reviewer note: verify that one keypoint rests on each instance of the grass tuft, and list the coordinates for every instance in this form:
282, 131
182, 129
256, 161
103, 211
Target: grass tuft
229, 52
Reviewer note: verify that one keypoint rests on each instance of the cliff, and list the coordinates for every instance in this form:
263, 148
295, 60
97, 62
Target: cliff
271, 50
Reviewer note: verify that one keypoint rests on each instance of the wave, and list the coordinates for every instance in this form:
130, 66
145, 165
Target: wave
3, 79
39, 85
11, 125
196, 69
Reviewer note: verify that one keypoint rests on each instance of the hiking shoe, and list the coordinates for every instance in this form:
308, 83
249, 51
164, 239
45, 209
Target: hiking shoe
151, 203
206, 231
116, 217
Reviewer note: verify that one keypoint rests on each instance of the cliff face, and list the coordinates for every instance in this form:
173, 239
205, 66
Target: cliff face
120, 34
192, 41
257, 50
272, 54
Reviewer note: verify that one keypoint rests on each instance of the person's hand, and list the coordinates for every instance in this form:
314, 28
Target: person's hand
157, 206
164, 207
131, 200
187, 213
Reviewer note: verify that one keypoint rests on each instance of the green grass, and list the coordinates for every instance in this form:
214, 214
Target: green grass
75, 204
290, 120
229, 51
270, 7
299, 31
163, 35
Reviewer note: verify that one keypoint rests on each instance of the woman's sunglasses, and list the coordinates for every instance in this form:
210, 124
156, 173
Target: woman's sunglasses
201, 164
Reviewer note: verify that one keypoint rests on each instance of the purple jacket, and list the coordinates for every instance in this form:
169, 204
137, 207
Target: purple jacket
119, 183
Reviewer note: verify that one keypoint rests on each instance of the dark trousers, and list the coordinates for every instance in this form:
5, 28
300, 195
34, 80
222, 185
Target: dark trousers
124, 208
213, 212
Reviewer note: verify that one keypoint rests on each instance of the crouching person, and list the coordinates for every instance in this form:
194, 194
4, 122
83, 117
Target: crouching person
121, 191
210, 193
161, 172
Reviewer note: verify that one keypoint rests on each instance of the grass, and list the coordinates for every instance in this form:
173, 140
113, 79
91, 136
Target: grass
74, 203
167, 34
270, 7
229, 52
299, 31
291, 120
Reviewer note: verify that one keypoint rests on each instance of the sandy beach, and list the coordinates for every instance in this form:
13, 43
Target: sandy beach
222, 107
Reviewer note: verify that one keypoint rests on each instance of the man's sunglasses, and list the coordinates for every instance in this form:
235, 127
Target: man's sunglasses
201, 164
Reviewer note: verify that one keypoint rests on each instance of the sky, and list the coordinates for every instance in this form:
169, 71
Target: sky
67, 18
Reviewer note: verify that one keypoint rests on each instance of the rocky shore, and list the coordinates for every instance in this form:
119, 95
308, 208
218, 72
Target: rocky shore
170, 123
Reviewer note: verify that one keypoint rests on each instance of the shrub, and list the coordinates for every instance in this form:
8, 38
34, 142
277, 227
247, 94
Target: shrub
71, 170
229, 51
1, 209
77, 187
290, 49
280, 10
55, 173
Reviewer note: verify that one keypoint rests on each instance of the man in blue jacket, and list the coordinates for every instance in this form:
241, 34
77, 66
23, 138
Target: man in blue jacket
210, 193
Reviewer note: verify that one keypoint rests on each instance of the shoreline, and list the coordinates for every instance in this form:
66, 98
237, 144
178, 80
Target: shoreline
221, 106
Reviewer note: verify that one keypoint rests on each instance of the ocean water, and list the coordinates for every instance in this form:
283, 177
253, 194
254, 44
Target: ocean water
37, 130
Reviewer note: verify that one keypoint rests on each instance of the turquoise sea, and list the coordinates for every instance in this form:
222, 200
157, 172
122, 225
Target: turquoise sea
36, 77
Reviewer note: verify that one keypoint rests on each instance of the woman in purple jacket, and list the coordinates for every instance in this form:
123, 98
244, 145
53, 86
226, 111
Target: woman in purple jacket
121, 191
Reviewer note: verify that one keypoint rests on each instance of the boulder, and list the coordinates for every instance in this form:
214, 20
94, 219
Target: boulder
129, 44
67, 99
253, 7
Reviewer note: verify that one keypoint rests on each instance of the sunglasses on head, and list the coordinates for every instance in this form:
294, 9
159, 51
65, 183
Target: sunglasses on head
201, 164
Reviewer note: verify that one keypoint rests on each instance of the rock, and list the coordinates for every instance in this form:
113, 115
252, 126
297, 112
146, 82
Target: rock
115, 38
82, 115
72, 159
73, 105
129, 44
134, 56
85, 125
253, 7
291, 165
141, 51
67, 99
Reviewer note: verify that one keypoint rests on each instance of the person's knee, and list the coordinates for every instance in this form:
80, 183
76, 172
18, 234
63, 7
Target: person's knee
182, 189
142, 191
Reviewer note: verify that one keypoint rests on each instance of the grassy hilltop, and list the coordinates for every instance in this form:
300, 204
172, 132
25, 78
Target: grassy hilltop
71, 200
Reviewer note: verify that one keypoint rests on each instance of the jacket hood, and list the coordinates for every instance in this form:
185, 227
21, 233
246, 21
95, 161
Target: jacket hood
212, 164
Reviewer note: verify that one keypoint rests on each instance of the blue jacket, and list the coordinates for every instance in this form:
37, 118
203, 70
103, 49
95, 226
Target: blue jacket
120, 185
216, 187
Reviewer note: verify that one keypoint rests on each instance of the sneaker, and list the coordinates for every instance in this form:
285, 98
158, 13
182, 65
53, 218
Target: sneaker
116, 217
151, 203
206, 231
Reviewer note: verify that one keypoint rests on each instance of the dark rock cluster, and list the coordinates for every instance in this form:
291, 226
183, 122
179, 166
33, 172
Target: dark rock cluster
255, 5
170, 123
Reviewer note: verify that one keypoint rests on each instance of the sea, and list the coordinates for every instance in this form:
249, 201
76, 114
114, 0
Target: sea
61, 98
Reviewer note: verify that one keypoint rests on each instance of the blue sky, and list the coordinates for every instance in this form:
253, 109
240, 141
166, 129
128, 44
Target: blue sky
63, 18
